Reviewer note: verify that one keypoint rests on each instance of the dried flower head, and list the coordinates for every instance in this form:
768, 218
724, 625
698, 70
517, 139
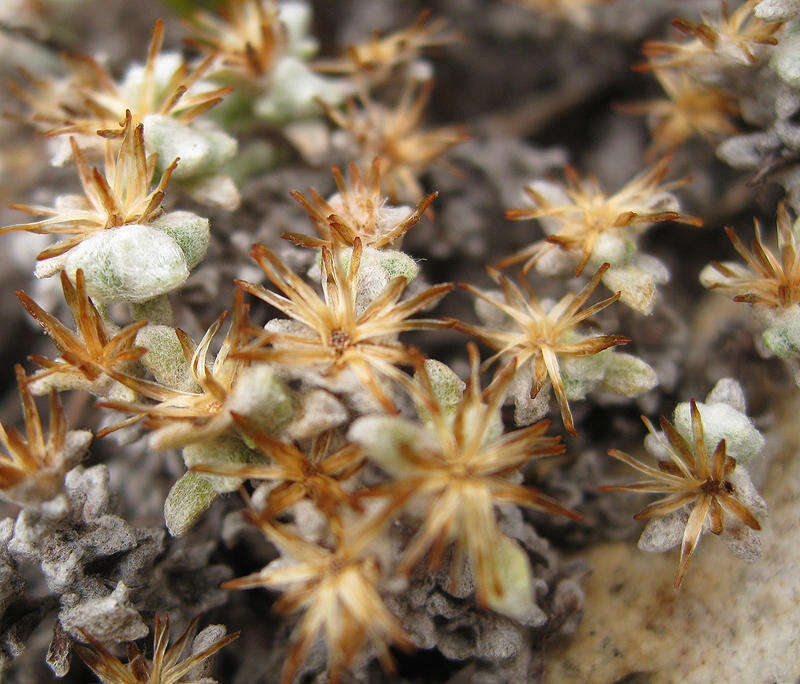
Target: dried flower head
541, 337
330, 332
396, 138
736, 35
317, 475
337, 592
591, 214
358, 210
93, 102
245, 36
33, 468
166, 667
376, 58
26, 457
180, 417
690, 108
691, 476
462, 474
92, 350
121, 196
770, 279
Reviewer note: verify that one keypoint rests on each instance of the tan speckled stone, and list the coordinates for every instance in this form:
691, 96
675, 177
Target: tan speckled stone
731, 621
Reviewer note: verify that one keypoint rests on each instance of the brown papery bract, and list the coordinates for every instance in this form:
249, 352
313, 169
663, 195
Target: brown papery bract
29, 454
466, 475
244, 36
357, 211
120, 196
541, 337
396, 138
739, 29
316, 474
773, 280
376, 58
166, 666
690, 109
94, 103
591, 212
180, 417
693, 477
93, 349
335, 336
337, 592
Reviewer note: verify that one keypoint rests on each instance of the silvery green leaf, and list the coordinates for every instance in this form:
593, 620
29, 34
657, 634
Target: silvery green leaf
189, 498
293, 89
728, 391
448, 388
785, 59
201, 151
157, 311
636, 287
385, 439
777, 10
721, 421
663, 534
223, 450
165, 358
190, 231
297, 17
397, 263
218, 190
512, 594
132, 263
260, 395
783, 340
628, 375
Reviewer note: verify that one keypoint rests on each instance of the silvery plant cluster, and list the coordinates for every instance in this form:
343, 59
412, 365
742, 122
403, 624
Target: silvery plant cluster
334, 321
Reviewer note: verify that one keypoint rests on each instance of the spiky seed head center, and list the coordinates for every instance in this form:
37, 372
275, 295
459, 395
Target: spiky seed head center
717, 487
339, 340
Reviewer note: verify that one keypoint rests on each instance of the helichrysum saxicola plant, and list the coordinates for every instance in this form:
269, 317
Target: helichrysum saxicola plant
238, 314
586, 226
769, 281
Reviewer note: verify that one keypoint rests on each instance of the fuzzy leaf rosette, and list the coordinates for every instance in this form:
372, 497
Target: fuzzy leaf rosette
701, 458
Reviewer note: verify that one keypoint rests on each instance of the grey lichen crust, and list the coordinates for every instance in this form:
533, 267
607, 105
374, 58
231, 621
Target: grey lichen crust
103, 570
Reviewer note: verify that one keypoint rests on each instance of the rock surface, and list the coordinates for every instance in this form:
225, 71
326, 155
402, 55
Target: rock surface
731, 621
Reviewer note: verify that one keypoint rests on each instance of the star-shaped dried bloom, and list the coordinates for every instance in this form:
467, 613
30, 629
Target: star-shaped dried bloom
88, 353
590, 214
245, 36
166, 666
180, 417
33, 469
460, 470
376, 58
358, 210
690, 109
317, 475
122, 195
737, 35
768, 278
693, 477
396, 138
337, 592
333, 334
99, 103
541, 337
